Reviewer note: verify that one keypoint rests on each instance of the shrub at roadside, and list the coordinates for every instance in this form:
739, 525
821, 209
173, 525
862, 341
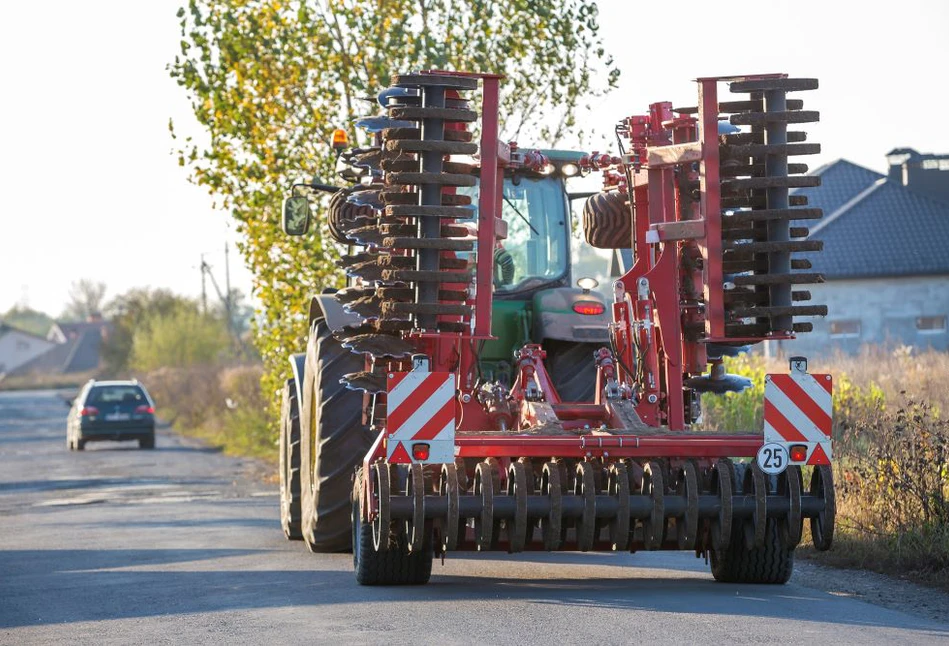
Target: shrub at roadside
223, 406
892, 477
891, 455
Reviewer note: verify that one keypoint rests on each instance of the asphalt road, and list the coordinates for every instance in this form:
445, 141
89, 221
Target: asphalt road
182, 545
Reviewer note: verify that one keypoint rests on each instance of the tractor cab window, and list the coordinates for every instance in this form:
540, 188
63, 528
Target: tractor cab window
535, 250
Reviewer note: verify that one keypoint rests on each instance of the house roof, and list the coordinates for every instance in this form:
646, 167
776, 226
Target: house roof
840, 182
80, 353
874, 227
6, 327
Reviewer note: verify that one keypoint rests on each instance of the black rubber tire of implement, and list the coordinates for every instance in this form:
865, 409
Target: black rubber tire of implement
608, 221
341, 214
772, 563
572, 369
290, 463
333, 441
395, 566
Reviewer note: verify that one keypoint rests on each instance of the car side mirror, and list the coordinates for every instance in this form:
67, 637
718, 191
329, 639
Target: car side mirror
296, 215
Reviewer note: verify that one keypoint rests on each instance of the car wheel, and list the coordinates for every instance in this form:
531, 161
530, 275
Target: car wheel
80, 445
147, 442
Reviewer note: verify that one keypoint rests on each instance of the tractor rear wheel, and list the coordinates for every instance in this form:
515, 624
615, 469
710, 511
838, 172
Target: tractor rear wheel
394, 566
290, 462
770, 563
333, 441
572, 369
608, 221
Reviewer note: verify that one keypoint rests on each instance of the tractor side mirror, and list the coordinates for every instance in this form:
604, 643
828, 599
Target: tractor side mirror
296, 215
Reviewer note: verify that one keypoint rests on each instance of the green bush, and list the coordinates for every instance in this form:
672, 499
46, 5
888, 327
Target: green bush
744, 411
179, 339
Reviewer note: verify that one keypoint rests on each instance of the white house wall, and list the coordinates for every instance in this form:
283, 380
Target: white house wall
16, 348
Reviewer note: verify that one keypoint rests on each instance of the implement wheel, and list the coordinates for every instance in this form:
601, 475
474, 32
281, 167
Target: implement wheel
395, 566
290, 462
770, 563
333, 442
608, 221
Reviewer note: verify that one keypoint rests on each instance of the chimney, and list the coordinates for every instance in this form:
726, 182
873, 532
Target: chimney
925, 174
896, 158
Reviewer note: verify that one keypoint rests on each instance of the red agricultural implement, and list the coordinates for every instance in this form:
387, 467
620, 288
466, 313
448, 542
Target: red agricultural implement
451, 455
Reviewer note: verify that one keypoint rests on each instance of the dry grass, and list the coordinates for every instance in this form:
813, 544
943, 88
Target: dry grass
222, 406
891, 455
46, 382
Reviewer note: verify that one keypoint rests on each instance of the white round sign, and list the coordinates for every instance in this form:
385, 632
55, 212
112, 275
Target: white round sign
773, 458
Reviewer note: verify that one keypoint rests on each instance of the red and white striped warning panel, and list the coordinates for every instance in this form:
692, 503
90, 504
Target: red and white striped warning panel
420, 417
798, 410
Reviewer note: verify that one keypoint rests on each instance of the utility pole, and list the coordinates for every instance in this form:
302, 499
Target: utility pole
204, 286
226, 301
227, 286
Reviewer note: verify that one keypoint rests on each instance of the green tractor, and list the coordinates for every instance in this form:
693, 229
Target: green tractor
324, 428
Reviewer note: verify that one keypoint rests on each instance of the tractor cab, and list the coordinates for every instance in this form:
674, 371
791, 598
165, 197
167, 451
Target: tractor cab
536, 299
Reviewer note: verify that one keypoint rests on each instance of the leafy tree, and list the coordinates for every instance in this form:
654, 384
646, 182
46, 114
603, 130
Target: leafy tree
85, 300
28, 320
132, 311
179, 339
270, 80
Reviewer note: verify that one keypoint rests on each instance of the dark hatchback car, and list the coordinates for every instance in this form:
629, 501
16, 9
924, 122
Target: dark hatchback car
111, 410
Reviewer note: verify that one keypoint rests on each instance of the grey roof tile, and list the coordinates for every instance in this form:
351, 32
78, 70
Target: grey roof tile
889, 231
840, 182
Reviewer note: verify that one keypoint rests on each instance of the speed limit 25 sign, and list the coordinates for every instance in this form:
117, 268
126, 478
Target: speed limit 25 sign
773, 458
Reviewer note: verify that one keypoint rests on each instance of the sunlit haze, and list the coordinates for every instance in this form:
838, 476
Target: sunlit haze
92, 191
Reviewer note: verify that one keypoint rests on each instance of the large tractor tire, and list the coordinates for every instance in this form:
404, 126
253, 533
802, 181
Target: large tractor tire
394, 566
290, 514
771, 563
608, 221
572, 369
333, 441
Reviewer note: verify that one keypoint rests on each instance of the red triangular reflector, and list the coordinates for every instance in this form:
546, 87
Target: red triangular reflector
401, 456
818, 457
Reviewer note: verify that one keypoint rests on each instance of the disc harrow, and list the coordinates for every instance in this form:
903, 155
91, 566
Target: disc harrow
475, 442
586, 505
757, 233
418, 280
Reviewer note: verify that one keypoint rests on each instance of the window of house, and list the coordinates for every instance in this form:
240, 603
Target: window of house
845, 329
931, 324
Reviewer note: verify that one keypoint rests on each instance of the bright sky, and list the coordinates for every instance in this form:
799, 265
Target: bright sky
87, 103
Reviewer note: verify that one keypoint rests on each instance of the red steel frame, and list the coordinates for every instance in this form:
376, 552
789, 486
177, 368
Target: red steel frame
648, 310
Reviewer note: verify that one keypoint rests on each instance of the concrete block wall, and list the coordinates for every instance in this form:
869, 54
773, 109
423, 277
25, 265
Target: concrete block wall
887, 309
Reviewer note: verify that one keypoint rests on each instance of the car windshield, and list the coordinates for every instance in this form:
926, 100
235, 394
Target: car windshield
536, 246
116, 395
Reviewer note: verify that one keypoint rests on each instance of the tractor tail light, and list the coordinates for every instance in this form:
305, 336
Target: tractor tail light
88, 410
798, 453
145, 409
590, 308
420, 452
